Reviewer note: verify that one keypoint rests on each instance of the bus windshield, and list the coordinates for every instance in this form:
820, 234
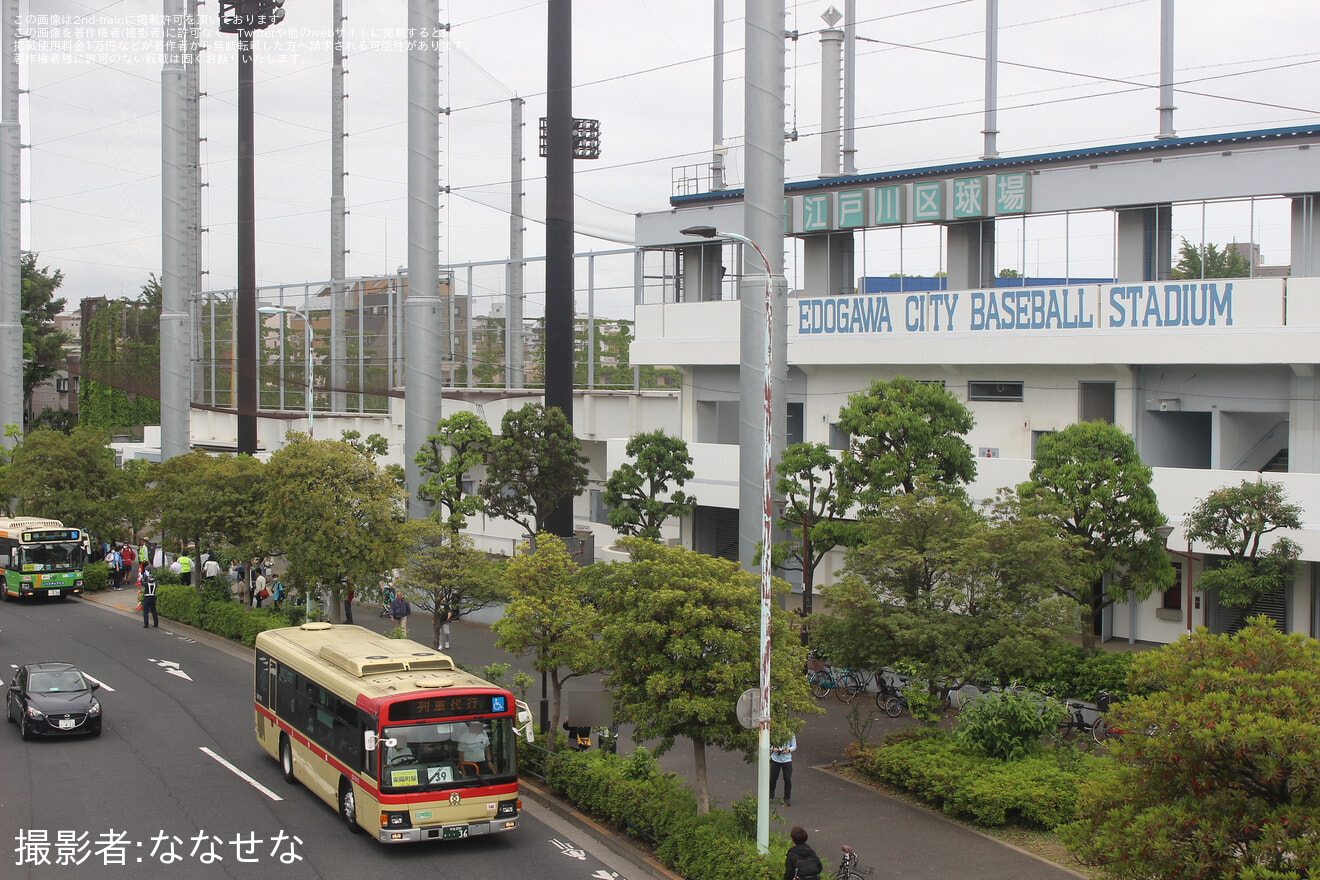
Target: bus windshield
418, 757
65, 556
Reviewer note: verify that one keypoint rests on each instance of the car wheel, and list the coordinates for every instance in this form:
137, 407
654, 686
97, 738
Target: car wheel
348, 806
96, 731
286, 759
9, 713
24, 731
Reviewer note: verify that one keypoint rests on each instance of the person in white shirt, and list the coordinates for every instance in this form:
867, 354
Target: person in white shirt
474, 745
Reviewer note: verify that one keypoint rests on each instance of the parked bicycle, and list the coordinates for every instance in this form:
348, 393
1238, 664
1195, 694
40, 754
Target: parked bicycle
848, 868
824, 680
1076, 718
889, 699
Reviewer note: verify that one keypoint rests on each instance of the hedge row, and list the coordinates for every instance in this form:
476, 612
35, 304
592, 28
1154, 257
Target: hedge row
1039, 790
222, 616
632, 794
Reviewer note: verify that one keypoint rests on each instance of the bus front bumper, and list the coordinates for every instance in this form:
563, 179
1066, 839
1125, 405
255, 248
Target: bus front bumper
447, 832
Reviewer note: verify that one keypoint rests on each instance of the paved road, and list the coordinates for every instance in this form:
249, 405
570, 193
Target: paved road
900, 840
177, 774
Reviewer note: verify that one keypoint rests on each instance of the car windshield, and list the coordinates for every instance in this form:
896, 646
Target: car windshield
67, 680
426, 756
52, 557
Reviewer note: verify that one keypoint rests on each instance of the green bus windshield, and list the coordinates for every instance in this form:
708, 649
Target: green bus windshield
63, 556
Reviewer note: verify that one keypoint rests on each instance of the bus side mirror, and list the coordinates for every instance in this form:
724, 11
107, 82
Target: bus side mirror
525, 720
370, 740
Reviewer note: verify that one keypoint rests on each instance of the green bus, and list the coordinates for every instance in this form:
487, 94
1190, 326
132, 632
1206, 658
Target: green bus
41, 557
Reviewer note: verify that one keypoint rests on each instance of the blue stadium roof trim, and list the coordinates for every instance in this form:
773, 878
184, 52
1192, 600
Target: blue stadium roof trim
1060, 157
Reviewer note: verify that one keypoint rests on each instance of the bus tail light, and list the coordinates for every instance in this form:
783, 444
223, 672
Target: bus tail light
395, 820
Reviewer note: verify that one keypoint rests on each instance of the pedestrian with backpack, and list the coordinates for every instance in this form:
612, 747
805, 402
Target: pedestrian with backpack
801, 863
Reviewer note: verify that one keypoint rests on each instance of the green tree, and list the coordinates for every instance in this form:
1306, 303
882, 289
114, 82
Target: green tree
681, 637
900, 431
13, 436
550, 618
812, 512
331, 513
1209, 262
61, 420
120, 386
138, 496
940, 588
43, 344
638, 493
1099, 492
444, 574
458, 446
1232, 520
69, 477
533, 466
1225, 784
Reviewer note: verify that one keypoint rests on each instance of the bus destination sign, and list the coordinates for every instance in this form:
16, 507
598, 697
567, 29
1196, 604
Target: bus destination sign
449, 706
51, 535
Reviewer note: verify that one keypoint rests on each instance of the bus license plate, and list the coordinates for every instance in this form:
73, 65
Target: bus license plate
54, 592
454, 832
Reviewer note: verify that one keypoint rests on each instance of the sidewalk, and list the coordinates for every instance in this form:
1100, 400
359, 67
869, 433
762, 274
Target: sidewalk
896, 838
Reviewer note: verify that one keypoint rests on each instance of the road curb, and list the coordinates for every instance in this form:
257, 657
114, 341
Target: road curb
619, 845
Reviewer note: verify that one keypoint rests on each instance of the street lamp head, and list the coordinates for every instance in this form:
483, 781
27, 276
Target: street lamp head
1164, 532
701, 231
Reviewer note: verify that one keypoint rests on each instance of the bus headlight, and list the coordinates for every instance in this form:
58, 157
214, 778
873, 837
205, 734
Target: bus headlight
395, 819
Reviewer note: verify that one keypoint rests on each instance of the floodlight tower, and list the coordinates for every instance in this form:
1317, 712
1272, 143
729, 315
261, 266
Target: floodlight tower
242, 17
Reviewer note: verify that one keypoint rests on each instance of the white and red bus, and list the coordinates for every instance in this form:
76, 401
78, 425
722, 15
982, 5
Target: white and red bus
389, 732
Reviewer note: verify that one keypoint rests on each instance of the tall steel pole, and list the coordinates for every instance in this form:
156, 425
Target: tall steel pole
175, 326
760, 375
991, 129
717, 101
1166, 70
423, 350
516, 372
11, 270
246, 314
338, 219
559, 229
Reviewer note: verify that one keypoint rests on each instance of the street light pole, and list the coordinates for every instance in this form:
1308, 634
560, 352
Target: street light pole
763, 722
307, 353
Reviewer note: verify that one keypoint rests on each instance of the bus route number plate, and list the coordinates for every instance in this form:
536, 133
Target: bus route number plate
454, 832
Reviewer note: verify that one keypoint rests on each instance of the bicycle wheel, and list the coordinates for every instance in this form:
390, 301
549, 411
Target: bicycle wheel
1100, 730
893, 706
821, 684
847, 687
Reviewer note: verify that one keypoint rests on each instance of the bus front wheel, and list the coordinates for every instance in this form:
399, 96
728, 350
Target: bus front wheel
348, 805
286, 759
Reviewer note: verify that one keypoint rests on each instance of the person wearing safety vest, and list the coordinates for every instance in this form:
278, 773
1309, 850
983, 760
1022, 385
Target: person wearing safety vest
185, 570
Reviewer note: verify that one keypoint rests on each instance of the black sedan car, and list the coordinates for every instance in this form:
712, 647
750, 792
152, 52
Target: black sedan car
53, 699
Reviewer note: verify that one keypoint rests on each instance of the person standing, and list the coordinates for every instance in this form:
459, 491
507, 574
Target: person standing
446, 615
348, 604
116, 562
399, 611
277, 593
148, 582
185, 569
259, 593
781, 761
210, 568
801, 862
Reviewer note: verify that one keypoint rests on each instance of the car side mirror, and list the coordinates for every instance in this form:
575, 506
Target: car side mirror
96, 685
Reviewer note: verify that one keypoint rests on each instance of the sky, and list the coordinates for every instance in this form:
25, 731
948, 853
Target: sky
1073, 73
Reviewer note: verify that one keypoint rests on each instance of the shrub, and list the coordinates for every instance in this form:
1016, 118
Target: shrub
1038, 790
633, 794
1005, 725
1106, 671
178, 602
260, 620
223, 619
96, 576
165, 576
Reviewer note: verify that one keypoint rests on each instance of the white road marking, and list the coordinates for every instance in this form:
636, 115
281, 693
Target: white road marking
171, 667
569, 849
103, 685
241, 775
